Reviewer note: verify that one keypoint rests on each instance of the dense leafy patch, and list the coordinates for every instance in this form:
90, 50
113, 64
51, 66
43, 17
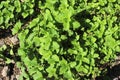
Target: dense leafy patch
63, 39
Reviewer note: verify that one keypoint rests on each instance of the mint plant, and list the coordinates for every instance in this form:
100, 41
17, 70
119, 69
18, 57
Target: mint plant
63, 39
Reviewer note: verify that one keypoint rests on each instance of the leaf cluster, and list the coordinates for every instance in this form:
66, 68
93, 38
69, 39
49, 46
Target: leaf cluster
63, 39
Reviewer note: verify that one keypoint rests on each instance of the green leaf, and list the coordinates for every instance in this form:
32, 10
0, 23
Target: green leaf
55, 45
92, 62
25, 14
63, 37
32, 69
93, 39
76, 25
81, 69
29, 39
36, 40
114, 29
11, 52
23, 73
84, 70
1, 5
111, 0
63, 69
117, 48
11, 8
31, 11
45, 53
51, 61
64, 3
8, 61
86, 60
110, 41
38, 76
51, 71
7, 18
21, 52
64, 66
16, 28
2, 48
17, 5
55, 57
68, 75
1, 20
66, 26
71, 51
72, 64
96, 55
72, 2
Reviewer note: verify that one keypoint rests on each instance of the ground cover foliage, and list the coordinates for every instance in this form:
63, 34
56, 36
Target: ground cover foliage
62, 39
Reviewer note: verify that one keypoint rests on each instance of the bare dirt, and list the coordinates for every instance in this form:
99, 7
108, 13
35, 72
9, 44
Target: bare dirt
8, 71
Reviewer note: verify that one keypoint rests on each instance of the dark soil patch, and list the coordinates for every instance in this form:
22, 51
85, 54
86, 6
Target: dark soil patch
112, 73
9, 71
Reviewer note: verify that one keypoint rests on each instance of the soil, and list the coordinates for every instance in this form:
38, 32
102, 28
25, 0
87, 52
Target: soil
9, 71
112, 73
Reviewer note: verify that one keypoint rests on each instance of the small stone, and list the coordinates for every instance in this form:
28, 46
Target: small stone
115, 79
1, 42
5, 71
